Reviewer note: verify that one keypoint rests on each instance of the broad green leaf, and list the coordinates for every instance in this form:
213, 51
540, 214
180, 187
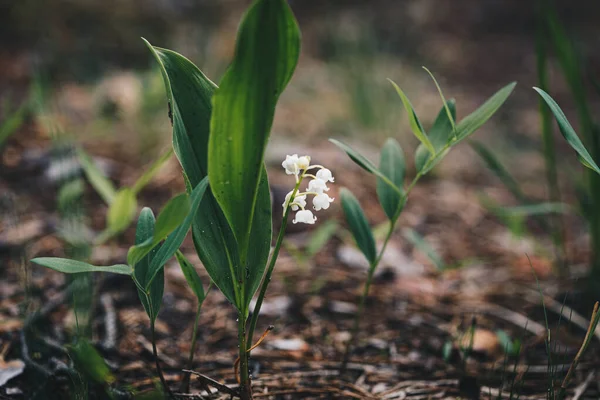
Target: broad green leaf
99, 182
359, 226
393, 166
189, 94
498, 169
415, 124
121, 211
171, 216
88, 361
439, 134
175, 239
365, 163
67, 266
191, 276
266, 54
477, 118
152, 298
149, 174
451, 116
260, 239
568, 132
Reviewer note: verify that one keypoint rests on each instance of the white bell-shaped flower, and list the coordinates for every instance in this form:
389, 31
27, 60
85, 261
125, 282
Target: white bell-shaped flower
299, 201
325, 175
322, 201
305, 217
303, 162
317, 186
291, 164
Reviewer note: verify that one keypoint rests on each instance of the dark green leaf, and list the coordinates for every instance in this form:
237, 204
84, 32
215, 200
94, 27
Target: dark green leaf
152, 298
266, 54
393, 166
359, 226
189, 93
358, 158
568, 132
415, 124
171, 216
477, 118
99, 182
121, 211
73, 267
175, 239
191, 276
365, 163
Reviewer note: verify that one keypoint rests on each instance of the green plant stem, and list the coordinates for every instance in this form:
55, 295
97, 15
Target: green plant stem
586, 341
185, 382
373, 268
271, 267
245, 382
556, 222
267, 279
363, 299
158, 368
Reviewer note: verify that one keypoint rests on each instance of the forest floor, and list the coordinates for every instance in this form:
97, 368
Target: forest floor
477, 283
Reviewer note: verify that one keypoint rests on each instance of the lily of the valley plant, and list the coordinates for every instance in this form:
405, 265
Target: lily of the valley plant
444, 134
219, 136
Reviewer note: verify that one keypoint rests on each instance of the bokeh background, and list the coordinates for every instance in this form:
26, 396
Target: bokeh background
92, 83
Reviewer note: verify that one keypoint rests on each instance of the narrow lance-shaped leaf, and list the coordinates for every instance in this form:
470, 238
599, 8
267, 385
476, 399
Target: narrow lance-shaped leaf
97, 179
172, 215
365, 164
568, 132
477, 118
189, 93
191, 276
266, 54
393, 166
359, 226
451, 116
152, 298
415, 124
67, 266
175, 239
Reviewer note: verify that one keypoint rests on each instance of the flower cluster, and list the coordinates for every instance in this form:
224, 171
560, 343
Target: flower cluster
299, 167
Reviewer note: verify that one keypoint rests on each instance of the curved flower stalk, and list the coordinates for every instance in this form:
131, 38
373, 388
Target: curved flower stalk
295, 201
